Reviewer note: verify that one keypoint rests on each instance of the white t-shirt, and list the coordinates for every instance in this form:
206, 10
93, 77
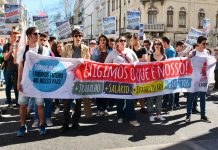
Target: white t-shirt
116, 57
35, 49
204, 53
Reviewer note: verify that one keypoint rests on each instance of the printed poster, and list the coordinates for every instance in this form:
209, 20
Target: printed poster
133, 20
64, 78
109, 25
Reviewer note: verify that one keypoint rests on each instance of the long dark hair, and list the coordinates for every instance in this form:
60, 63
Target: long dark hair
161, 49
107, 41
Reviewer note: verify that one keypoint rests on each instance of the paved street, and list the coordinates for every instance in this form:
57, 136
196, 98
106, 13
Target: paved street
105, 133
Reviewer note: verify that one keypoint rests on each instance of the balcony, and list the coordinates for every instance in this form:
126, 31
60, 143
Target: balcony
154, 28
145, 1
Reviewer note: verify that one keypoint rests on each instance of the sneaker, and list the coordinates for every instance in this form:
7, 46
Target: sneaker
76, 126
105, 113
152, 118
161, 118
21, 132
64, 128
48, 122
143, 111
134, 123
188, 119
205, 119
120, 120
57, 110
35, 123
99, 113
42, 130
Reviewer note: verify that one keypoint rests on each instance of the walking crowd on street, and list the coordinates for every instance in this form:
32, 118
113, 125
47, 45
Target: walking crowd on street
104, 50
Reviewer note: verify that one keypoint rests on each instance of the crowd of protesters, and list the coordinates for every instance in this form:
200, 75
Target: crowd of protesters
105, 50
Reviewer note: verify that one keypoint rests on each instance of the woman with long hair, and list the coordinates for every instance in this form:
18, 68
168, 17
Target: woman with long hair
99, 55
157, 55
121, 55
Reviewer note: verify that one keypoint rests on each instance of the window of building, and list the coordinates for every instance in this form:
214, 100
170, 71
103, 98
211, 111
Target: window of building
182, 18
124, 2
128, 1
217, 20
117, 3
108, 7
152, 15
124, 20
116, 23
201, 16
113, 5
170, 17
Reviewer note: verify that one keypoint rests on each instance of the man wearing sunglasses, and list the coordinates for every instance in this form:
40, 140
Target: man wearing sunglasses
200, 51
32, 34
75, 50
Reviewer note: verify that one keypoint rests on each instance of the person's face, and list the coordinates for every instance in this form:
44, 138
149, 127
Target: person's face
147, 45
42, 41
60, 48
14, 38
180, 48
112, 44
122, 43
92, 45
34, 37
77, 38
202, 45
102, 41
135, 40
157, 45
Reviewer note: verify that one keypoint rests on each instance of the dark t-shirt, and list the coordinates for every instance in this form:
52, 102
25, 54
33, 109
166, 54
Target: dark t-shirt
77, 52
10, 62
140, 52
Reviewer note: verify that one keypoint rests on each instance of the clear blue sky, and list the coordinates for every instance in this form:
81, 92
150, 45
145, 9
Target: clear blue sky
49, 6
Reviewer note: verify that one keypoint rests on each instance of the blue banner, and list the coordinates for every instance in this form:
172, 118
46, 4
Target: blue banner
109, 25
133, 20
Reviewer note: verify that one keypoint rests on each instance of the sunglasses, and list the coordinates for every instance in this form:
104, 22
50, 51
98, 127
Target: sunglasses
122, 40
157, 44
77, 36
36, 33
92, 43
205, 43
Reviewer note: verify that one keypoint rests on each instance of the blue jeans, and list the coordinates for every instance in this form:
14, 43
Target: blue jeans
168, 100
11, 81
48, 109
190, 100
125, 109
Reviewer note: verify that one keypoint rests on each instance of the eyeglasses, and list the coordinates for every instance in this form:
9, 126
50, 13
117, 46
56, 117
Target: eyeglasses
122, 40
36, 33
77, 36
157, 44
205, 43
92, 43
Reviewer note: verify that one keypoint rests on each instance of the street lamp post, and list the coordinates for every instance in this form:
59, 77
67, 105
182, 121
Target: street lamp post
90, 15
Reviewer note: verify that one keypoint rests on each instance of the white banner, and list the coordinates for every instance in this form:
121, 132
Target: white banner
192, 36
41, 22
49, 77
64, 29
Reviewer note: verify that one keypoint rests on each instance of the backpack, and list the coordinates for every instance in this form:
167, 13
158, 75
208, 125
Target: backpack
40, 50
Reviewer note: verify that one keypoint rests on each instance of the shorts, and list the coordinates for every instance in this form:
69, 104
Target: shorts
23, 100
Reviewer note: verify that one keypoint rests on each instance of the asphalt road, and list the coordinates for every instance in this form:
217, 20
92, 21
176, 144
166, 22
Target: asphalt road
104, 132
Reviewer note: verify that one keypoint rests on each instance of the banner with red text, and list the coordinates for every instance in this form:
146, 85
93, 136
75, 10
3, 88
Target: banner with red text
49, 77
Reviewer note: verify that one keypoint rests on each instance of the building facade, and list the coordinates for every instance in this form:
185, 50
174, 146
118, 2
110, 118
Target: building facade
171, 18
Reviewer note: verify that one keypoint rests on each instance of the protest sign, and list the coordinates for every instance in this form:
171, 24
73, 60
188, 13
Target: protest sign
141, 31
64, 29
12, 14
109, 25
48, 77
41, 22
206, 27
133, 20
192, 36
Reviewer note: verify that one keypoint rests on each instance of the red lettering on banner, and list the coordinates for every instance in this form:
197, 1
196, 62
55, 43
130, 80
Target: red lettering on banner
12, 13
93, 71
